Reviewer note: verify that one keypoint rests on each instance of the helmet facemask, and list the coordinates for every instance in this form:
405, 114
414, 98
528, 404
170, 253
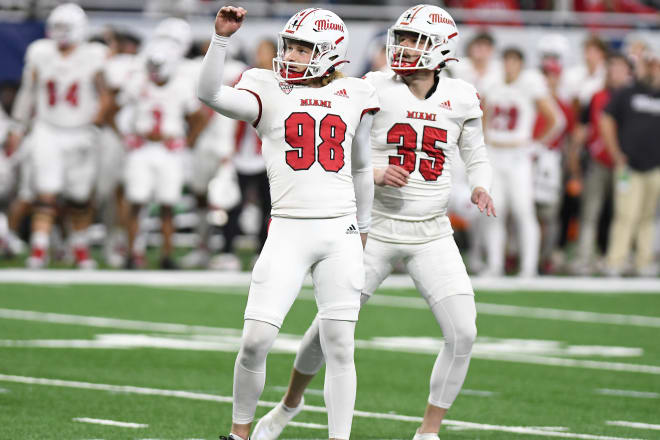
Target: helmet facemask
430, 51
283, 69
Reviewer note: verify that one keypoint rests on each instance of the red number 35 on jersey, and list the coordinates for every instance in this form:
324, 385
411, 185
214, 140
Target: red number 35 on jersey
405, 137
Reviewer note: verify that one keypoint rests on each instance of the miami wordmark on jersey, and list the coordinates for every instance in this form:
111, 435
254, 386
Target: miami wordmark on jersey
307, 136
421, 136
65, 88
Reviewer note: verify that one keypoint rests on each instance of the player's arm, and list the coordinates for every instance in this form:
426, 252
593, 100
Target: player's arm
608, 131
550, 111
103, 92
363, 175
607, 127
233, 103
197, 122
23, 108
472, 149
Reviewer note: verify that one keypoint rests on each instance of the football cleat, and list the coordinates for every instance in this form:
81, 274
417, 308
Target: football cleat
232, 437
195, 258
225, 262
272, 424
38, 259
168, 263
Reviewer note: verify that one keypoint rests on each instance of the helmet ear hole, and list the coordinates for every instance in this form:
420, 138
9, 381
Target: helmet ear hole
444, 52
334, 57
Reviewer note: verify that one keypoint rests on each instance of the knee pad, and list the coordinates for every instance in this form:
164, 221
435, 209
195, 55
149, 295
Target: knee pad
258, 338
337, 340
463, 339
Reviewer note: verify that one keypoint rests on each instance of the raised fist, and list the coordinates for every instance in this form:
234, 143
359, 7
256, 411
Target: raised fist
229, 20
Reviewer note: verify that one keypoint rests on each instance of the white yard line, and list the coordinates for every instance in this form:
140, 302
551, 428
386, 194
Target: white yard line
307, 391
628, 393
307, 425
242, 279
482, 308
110, 423
633, 425
468, 392
311, 408
286, 343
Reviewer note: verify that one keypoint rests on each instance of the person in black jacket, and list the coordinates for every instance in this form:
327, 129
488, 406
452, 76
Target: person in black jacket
630, 127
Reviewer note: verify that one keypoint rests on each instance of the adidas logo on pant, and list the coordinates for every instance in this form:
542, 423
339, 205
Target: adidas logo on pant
352, 230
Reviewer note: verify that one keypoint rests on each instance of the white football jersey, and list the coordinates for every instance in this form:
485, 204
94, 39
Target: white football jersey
422, 137
307, 136
118, 73
65, 90
160, 109
512, 107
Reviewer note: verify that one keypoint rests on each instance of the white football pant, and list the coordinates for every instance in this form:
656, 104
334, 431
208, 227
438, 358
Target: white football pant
438, 271
154, 173
332, 250
512, 191
63, 161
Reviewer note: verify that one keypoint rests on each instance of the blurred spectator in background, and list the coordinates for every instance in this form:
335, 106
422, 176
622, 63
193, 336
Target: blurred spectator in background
619, 6
630, 127
481, 64
214, 181
597, 186
548, 175
478, 68
510, 108
583, 80
122, 67
60, 87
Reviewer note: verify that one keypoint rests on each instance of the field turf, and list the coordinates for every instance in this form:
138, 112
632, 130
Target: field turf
164, 362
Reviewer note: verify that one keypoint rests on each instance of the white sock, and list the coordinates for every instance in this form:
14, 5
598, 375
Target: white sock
79, 239
337, 341
40, 240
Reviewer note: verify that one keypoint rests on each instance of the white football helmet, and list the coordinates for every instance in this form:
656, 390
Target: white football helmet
177, 30
329, 37
67, 24
160, 63
437, 39
555, 46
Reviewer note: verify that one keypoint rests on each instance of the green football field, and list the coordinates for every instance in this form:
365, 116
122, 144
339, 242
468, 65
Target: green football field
140, 362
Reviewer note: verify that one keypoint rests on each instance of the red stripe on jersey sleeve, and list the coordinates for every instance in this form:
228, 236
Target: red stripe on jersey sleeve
371, 110
256, 95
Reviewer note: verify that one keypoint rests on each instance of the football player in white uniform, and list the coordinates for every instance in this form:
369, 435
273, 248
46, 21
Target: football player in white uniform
426, 121
510, 111
118, 72
63, 83
310, 119
166, 118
